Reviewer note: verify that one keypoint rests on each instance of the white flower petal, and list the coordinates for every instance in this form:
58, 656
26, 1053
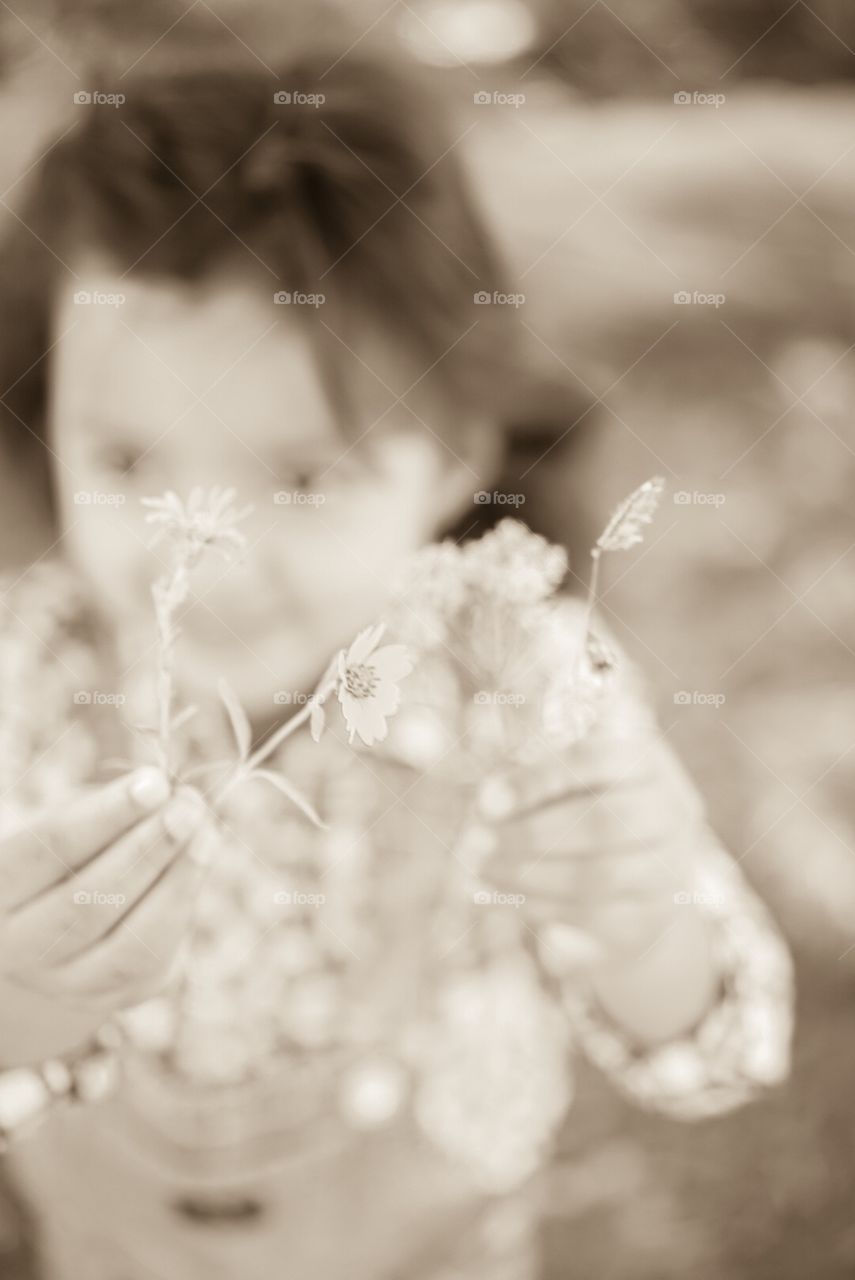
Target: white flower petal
317, 721
364, 644
392, 662
363, 717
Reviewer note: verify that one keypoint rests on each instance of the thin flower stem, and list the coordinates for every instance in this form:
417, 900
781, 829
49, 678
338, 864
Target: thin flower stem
284, 731
236, 776
164, 690
247, 767
591, 598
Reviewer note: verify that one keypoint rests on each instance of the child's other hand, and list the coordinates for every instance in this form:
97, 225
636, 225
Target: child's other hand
598, 842
95, 896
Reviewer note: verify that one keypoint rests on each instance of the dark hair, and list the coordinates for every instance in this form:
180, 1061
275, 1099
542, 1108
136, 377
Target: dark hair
343, 183
350, 187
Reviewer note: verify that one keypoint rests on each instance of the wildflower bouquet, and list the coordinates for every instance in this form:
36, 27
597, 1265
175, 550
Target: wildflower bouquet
364, 678
487, 603
362, 957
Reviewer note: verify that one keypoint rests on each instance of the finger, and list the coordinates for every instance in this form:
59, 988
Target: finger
133, 961
619, 819
564, 949
618, 925
588, 881
652, 767
54, 845
558, 777
73, 915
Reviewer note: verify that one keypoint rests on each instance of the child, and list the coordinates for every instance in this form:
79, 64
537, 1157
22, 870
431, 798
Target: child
274, 289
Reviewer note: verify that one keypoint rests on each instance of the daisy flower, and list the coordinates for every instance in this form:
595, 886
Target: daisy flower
205, 520
368, 683
365, 680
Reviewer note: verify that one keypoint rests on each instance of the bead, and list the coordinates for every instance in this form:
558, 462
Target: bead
96, 1077
24, 1095
150, 1025
372, 1092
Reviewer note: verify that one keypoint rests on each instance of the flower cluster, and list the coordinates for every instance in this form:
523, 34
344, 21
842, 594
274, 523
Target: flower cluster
494, 604
510, 563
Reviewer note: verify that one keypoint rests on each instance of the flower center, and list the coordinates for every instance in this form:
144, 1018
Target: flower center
361, 681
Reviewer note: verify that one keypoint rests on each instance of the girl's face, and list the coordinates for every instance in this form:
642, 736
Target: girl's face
158, 386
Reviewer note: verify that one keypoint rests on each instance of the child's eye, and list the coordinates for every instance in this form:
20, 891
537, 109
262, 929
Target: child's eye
300, 477
120, 459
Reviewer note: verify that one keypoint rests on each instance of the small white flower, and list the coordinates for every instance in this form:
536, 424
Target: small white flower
368, 683
204, 520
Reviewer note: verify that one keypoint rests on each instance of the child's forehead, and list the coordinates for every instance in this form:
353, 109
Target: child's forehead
154, 352
140, 353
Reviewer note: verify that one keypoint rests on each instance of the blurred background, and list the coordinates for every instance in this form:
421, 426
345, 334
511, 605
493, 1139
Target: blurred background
673, 183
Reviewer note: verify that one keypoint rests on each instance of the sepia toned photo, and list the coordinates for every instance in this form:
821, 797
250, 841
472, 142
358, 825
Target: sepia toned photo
426, 634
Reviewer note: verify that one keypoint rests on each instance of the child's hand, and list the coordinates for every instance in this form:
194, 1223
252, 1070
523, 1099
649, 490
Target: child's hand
95, 896
599, 842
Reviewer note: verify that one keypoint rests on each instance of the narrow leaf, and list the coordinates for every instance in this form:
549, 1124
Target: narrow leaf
117, 762
282, 784
317, 721
183, 717
237, 716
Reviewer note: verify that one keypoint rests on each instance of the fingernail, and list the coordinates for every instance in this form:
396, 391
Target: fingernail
149, 787
184, 815
562, 948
